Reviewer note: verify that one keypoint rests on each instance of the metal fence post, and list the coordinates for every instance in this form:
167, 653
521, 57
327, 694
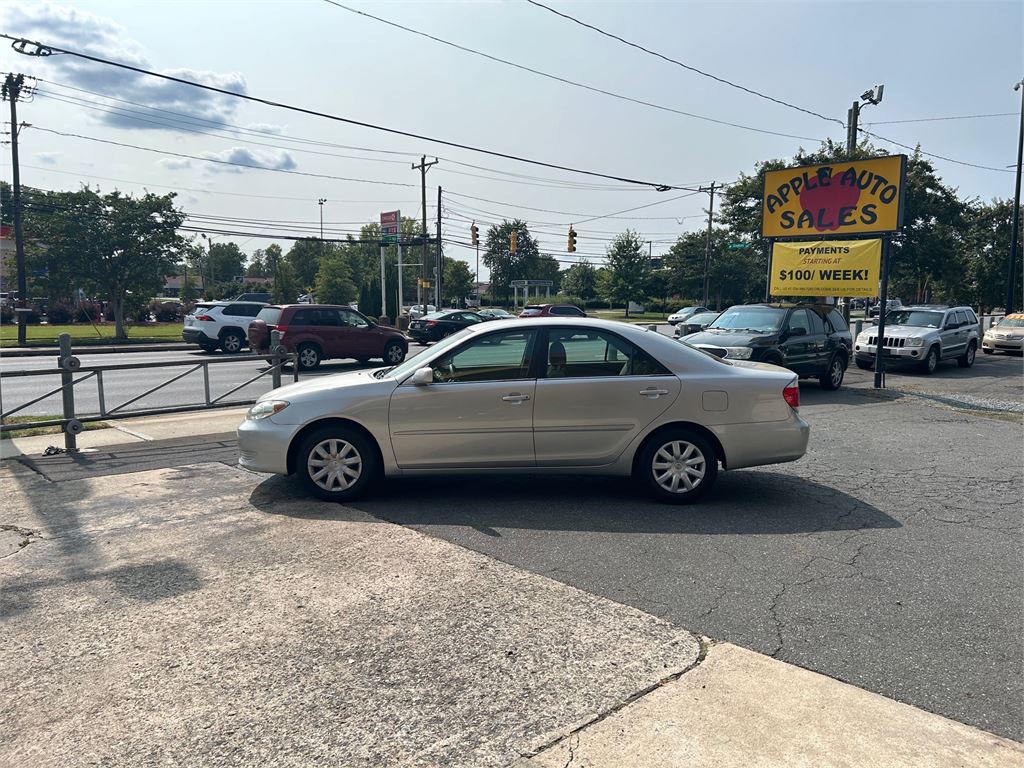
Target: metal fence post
68, 365
858, 326
278, 361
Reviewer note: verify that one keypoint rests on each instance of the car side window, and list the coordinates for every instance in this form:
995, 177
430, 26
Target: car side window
242, 310
837, 321
328, 317
569, 311
971, 317
494, 357
817, 324
799, 319
961, 317
589, 354
304, 317
352, 319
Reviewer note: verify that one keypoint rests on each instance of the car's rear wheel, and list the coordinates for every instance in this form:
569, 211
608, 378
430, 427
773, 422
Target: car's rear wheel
966, 360
232, 342
678, 466
931, 361
394, 353
832, 379
864, 366
337, 463
207, 347
309, 356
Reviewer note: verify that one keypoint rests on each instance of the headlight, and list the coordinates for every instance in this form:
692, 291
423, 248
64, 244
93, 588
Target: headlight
739, 353
914, 341
266, 408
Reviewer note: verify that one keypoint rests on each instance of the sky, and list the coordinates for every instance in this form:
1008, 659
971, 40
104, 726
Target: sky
240, 166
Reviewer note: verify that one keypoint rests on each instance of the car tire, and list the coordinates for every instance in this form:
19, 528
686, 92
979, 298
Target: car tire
832, 379
336, 463
681, 459
394, 353
232, 342
931, 360
987, 351
309, 356
863, 365
966, 360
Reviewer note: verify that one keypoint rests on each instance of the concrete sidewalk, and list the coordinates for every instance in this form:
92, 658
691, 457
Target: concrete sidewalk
204, 615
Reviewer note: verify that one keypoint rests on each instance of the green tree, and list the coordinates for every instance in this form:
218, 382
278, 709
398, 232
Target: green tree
286, 284
458, 280
504, 266
987, 252
580, 281
334, 279
304, 256
628, 265
188, 289
115, 245
257, 266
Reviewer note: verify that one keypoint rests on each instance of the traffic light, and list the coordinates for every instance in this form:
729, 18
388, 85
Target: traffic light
474, 235
513, 240
572, 240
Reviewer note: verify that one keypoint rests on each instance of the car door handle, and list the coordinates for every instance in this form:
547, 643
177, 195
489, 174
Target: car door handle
515, 398
653, 394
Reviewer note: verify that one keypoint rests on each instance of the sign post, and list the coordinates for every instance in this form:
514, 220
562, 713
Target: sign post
390, 221
839, 200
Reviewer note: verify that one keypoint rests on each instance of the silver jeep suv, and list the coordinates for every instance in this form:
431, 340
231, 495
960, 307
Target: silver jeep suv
922, 335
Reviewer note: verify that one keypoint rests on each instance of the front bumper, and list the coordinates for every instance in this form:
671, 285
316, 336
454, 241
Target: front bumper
1004, 345
866, 353
263, 445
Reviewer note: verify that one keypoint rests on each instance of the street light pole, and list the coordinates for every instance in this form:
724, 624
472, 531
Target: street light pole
321, 202
1015, 229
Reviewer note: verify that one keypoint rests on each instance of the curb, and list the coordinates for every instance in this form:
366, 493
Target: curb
95, 349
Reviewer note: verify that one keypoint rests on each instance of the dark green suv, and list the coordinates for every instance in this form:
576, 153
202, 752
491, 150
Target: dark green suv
812, 340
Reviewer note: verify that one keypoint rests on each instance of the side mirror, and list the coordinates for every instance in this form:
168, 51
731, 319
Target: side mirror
423, 376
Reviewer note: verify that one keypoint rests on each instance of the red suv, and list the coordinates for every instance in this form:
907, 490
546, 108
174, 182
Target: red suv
552, 310
322, 331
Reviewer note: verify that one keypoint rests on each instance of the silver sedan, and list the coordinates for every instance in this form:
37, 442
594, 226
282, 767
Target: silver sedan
562, 396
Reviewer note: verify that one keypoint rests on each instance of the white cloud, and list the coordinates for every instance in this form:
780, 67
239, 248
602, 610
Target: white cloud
48, 158
243, 156
69, 27
175, 163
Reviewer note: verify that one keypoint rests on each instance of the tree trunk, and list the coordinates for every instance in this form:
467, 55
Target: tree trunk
118, 301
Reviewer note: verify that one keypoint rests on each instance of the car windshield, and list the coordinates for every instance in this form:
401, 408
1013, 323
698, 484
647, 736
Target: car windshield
498, 313
269, 315
757, 319
1011, 322
532, 312
417, 361
703, 317
914, 317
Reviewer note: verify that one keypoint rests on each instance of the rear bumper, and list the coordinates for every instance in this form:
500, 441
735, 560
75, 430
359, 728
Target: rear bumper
197, 336
749, 445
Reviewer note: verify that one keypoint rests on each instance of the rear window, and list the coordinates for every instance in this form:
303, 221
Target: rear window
435, 316
202, 309
269, 315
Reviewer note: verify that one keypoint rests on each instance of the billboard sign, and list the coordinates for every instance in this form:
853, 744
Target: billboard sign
826, 268
854, 197
390, 221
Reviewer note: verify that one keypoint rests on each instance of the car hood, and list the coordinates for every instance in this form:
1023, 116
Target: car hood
1012, 333
323, 386
900, 331
723, 338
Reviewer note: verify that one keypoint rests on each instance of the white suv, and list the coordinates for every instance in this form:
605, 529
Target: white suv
221, 324
922, 335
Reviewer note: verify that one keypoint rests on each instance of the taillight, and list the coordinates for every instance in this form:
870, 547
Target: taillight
791, 395
203, 317
281, 329
430, 322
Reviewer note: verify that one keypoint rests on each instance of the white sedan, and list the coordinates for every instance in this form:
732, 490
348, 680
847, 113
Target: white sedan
562, 396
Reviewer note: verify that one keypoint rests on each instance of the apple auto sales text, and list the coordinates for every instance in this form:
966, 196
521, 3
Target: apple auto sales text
873, 184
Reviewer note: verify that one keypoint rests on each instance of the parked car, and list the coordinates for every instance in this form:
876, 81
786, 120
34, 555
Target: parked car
417, 310
1007, 336
437, 325
890, 305
567, 396
495, 314
214, 324
552, 310
923, 336
316, 332
812, 340
696, 323
262, 297
682, 314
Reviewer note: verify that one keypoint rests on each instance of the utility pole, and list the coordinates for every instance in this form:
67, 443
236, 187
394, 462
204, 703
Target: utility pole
422, 168
321, 202
12, 90
1015, 229
440, 254
707, 248
874, 96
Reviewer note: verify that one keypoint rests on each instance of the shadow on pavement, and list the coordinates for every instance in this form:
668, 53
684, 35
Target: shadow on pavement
743, 501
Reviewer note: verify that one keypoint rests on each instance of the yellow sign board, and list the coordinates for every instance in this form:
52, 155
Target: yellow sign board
826, 268
855, 197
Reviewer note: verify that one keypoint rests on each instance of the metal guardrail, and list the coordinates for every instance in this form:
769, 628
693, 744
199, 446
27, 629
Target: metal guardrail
72, 423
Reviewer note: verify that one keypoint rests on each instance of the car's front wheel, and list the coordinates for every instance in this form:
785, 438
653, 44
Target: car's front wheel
678, 466
394, 353
337, 463
931, 361
832, 379
966, 360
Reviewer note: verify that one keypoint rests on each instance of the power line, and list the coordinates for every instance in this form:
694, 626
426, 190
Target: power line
575, 83
49, 50
941, 119
932, 154
678, 63
561, 213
